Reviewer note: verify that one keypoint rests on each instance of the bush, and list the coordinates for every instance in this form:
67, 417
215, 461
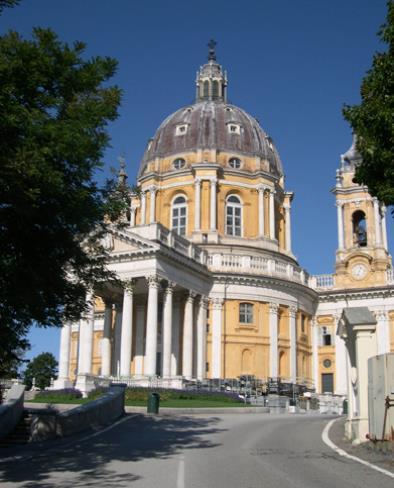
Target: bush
142, 394
65, 393
97, 392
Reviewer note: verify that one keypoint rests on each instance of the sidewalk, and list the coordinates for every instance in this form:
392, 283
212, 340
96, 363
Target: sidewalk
366, 451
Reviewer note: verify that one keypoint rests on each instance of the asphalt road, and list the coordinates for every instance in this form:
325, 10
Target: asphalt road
195, 451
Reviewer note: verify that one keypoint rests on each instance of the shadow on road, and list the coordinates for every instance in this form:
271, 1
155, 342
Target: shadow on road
98, 461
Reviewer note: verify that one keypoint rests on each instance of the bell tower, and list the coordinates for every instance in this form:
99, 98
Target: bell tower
362, 257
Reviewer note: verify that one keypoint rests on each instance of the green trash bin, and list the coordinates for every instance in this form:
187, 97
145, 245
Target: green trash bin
344, 407
153, 403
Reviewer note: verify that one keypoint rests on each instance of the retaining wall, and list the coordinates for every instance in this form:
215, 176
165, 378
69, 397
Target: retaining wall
50, 423
11, 411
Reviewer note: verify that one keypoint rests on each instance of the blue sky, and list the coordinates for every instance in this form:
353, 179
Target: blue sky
292, 64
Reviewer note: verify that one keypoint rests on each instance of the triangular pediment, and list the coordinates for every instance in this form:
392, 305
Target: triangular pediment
124, 240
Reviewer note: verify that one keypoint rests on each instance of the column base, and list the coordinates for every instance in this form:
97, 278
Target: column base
62, 383
85, 384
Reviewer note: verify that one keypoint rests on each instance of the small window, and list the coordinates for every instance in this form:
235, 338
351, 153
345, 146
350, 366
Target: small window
181, 130
359, 229
246, 313
326, 337
178, 163
234, 163
234, 129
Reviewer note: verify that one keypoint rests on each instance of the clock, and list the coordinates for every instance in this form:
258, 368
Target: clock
359, 271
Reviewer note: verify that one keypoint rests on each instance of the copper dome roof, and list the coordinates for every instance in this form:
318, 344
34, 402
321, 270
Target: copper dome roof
207, 127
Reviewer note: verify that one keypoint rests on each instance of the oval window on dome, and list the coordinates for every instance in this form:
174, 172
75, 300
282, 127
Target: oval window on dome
234, 163
178, 163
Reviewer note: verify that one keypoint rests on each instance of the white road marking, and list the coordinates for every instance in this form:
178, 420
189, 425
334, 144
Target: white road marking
180, 482
343, 453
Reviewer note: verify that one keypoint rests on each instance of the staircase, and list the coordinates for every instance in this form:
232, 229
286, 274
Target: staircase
21, 433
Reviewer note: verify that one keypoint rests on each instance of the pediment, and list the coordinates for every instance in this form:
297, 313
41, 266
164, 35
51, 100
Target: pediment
123, 241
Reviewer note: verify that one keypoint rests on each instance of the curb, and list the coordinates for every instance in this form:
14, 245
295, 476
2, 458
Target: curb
341, 452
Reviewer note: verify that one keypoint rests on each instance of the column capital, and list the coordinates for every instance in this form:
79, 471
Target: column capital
217, 303
153, 188
292, 311
197, 181
272, 191
153, 281
380, 315
287, 207
203, 301
191, 296
213, 182
274, 308
129, 285
143, 192
339, 203
169, 286
261, 188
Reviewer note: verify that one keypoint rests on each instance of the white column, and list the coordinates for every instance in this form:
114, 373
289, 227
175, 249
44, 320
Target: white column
315, 353
340, 225
382, 332
201, 338
378, 232
139, 340
151, 326
143, 207
187, 350
384, 227
127, 330
197, 204
86, 338
293, 343
132, 215
261, 190
118, 336
167, 329
273, 323
272, 214
213, 205
63, 380
106, 341
175, 354
288, 228
217, 318
152, 204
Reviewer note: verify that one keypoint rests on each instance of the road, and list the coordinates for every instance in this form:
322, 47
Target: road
196, 451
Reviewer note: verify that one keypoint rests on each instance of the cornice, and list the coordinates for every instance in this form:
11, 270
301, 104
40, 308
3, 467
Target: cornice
355, 294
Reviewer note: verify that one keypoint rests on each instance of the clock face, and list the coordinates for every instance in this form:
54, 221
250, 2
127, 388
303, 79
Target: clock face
359, 271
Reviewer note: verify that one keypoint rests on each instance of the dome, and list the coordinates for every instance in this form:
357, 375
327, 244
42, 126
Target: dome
212, 124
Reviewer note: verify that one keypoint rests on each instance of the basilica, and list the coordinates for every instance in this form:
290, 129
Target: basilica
210, 286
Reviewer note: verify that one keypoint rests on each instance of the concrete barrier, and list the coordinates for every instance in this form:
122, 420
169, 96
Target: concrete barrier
11, 411
50, 423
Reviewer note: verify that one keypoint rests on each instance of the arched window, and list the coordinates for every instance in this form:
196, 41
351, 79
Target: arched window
206, 89
246, 313
233, 216
179, 214
215, 89
359, 228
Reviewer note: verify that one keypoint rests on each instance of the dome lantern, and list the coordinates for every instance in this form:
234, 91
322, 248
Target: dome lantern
211, 81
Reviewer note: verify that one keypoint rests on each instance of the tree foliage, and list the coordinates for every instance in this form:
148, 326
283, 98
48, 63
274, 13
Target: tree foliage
373, 120
42, 368
8, 4
55, 107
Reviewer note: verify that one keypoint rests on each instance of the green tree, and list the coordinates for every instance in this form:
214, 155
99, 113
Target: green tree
43, 368
55, 107
8, 3
373, 120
